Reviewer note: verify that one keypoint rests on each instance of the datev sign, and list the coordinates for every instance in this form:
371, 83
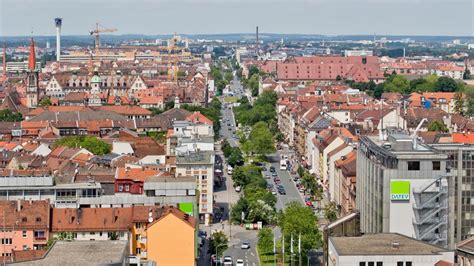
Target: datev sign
400, 190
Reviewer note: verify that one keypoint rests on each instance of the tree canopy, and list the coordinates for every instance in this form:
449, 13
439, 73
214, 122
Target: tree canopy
92, 144
260, 140
297, 219
9, 116
265, 240
437, 126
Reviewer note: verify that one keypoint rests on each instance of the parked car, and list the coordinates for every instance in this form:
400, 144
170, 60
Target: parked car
238, 189
272, 169
309, 203
228, 260
282, 191
273, 191
239, 262
274, 174
267, 176
245, 245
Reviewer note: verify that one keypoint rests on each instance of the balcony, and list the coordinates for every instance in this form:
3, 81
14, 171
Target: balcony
142, 240
39, 239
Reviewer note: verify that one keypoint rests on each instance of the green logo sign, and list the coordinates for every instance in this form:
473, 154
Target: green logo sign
400, 190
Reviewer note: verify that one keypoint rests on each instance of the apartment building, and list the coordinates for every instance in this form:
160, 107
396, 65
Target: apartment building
200, 165
26, 225
402, 187
460, 166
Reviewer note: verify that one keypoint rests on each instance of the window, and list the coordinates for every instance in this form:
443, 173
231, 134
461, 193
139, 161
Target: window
7, 241
138, 225
204, 177
399, 263
23, 233
120, 188
371, 263
408, 263
413, 165
127, 187
25, 247
137, 237
362, 263
138, 251
436, 165
379, 263
91, 233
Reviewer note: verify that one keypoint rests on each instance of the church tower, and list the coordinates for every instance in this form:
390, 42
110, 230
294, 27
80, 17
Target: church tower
32, 79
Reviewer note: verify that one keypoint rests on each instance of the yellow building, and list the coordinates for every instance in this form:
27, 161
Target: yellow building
164, 235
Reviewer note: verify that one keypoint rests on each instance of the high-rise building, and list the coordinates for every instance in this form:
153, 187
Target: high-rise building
460, 166
402, 187
32, 79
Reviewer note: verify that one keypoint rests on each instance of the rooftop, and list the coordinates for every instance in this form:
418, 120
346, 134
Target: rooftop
383, 244
100, 252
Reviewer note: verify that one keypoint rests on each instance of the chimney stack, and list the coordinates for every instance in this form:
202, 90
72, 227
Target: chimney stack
256, 45
4, 60
59, 23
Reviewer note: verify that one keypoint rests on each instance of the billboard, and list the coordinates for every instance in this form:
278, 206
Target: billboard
399, 190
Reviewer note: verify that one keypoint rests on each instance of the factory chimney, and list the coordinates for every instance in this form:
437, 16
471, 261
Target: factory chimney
59, 23
5, 60
256, 45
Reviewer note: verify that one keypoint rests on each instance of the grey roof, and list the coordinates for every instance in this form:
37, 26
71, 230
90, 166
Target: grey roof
77, 116
320, 123
382, 244
202, 157
99, 252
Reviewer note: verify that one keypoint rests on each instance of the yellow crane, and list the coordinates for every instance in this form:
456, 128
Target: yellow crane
96, 32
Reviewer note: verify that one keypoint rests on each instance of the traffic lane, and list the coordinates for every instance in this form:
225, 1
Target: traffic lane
248, 255
292, 194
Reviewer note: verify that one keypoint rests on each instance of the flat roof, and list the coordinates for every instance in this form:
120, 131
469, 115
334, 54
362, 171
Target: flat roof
83, 253
382, 244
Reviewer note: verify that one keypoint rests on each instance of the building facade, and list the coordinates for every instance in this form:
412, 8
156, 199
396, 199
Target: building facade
402, 187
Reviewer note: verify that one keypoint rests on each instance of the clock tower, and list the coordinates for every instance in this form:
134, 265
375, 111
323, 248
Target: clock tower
32, 91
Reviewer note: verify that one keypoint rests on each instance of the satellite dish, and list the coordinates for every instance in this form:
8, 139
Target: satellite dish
150, 219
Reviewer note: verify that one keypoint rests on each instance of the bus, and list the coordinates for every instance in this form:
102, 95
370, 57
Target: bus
283, 164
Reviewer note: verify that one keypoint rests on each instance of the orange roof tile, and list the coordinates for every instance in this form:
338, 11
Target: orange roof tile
463, 137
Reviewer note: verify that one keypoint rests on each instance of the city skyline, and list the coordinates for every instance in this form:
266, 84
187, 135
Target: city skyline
149, 17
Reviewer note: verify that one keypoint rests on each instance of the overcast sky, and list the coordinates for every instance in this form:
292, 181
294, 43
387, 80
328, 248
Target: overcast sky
328, 17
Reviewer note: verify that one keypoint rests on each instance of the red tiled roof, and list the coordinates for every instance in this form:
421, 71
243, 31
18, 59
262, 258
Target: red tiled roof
198, 118
137, 174
463, 137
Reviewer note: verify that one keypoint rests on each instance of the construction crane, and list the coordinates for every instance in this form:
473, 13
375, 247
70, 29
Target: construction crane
96, 32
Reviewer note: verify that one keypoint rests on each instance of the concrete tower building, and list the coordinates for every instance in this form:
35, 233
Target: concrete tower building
402, 187
32, 84
59, 23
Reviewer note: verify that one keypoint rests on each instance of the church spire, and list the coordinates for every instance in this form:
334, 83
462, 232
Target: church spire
32, 57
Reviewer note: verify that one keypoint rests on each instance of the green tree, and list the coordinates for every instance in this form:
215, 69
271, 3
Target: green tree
467, 74
437, 126
469, 92
397, 84
260, 140
330, 212
459, 103
242, 206
265, 240
300, 171
92, 144
235, 157
218, 240
296, 219
9, 116
45, 102
228, 76
446, 84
